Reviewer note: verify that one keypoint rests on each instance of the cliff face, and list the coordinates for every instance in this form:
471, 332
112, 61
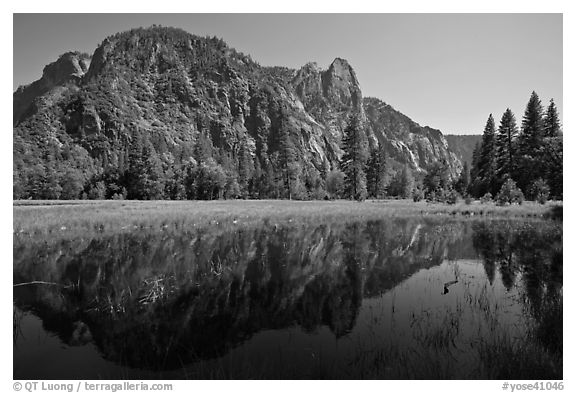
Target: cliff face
170, 88
407, 141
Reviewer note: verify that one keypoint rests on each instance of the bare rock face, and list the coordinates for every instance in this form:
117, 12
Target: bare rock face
340, 85
69, 68
408, 142
329, 96
172, 87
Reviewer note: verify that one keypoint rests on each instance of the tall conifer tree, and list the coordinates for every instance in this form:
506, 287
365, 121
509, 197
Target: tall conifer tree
530, 144
287, 159
505, 147
474, 188
376, 173
354, 159
529, 141
552, 126
486, 160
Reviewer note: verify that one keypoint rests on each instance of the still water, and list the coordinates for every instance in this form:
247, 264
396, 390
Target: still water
400, 298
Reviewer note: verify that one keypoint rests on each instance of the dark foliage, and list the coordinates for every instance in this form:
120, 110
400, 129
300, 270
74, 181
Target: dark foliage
376, 173
524, 157
355, 146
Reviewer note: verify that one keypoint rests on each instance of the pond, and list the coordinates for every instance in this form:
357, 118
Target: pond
391, 299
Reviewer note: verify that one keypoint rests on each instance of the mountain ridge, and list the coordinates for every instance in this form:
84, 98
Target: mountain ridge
176, 91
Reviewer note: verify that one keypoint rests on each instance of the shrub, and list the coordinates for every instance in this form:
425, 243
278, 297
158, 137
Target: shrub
452, 197
318, 194
468, 200
539, 191
518, 197
431, 196
335, 183
120, 195
509, 194
418, 195
298, 190
486, 198
443, 195
97, 191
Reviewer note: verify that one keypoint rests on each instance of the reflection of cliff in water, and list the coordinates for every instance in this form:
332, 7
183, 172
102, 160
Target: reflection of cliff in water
161, 300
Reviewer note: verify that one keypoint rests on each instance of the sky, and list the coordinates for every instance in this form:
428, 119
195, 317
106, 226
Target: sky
447, 71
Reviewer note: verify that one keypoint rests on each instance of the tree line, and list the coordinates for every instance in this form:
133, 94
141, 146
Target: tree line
368, 173
526, 160
508, 163
142, 170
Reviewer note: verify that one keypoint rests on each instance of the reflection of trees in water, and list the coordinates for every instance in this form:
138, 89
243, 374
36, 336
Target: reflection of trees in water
161, 300
534, 252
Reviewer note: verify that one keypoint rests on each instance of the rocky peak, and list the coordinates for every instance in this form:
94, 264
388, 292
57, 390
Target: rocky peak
340, 85
337, 87
342, 70
159, 50
69, 66
308, 82
311, 67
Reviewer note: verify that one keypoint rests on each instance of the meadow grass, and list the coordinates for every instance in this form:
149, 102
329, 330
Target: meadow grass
46, 217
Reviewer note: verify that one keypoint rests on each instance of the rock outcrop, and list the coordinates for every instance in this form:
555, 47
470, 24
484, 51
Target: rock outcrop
170, 88
68, 69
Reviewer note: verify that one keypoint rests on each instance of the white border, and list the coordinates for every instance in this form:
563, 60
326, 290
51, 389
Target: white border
230, 6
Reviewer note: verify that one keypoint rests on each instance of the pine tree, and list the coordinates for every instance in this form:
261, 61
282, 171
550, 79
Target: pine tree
245, 169
553, 151
486, 160
154, 180
287, 159
256, 181
464, 180
135, 173
203, 148
406, 182
144, 177
474, 188
530, 146
505, 147
530, 139
376, 173
552, 126
354, 159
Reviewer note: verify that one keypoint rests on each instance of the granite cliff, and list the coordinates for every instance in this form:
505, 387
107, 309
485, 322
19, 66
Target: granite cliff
186, 100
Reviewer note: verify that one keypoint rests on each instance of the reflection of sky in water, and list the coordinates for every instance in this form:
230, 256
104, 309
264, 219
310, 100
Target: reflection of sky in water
304, 283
